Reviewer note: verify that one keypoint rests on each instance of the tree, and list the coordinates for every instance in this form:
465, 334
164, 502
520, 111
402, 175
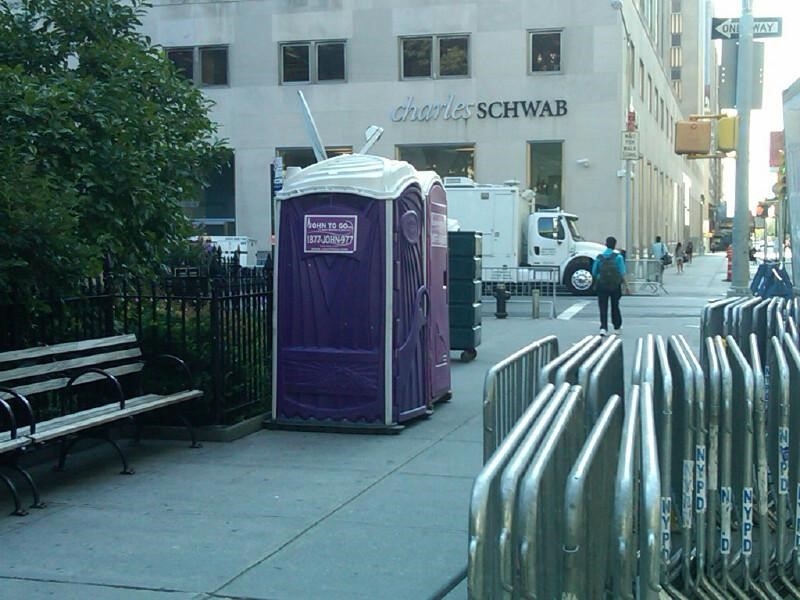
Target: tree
102, 139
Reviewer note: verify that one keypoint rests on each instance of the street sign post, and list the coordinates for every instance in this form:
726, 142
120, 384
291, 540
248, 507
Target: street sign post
630, 145
727, 29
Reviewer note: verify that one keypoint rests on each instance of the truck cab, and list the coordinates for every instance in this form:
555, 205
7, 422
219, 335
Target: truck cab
555, 240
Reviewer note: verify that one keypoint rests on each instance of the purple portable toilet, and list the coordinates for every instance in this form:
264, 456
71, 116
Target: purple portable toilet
350, 347
436, 261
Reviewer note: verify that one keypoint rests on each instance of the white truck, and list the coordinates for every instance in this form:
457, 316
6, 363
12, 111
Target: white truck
517, 237
229, 244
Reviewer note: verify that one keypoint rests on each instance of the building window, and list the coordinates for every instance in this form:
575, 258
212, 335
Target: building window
434, 56
304, 157
641, 79
545, 167
312, 62
677, 85
214, 210
202, 65
545, 51
448, 160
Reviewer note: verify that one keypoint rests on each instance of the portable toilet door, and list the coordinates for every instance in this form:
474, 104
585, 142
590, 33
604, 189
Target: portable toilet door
349, 329
436, 261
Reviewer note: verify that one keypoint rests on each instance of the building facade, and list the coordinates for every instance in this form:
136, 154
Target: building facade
532, 91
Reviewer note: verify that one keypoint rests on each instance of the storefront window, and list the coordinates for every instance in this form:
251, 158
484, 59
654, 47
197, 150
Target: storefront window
545, 172
448, 160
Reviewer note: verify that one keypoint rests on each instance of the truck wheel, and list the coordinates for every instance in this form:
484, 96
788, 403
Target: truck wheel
578, 278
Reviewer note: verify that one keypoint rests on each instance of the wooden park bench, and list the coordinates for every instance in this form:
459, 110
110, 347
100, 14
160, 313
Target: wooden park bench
89, 386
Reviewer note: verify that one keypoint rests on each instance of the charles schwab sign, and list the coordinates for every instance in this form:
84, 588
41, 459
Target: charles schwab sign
453, 110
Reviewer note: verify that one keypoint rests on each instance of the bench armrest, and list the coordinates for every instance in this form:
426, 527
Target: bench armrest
115, 385
179, 363
23, 402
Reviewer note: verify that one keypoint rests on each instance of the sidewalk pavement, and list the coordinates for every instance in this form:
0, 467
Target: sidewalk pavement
282, 515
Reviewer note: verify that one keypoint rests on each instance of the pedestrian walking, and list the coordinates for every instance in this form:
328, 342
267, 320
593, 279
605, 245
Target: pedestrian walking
660, 252
680, 257
608, 271
689, 251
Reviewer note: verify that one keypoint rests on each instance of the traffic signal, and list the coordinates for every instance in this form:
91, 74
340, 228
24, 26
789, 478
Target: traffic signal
692, 137
779, 189
727, 133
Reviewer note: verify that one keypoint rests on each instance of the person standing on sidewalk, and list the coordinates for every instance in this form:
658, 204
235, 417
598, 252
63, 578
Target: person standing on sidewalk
680, 257
659, 251
608, 271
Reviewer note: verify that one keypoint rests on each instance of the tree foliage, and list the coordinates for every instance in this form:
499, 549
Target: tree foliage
102, 139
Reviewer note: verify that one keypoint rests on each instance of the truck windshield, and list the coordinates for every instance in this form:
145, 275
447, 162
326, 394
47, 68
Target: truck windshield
572, 224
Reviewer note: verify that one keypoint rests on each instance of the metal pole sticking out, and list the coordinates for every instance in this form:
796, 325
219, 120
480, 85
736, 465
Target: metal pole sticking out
630, 125
741, 216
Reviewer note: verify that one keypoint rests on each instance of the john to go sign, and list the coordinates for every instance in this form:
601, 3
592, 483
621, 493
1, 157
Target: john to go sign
728, 29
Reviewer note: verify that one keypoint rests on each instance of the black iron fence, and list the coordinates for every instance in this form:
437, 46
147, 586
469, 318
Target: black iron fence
218, 320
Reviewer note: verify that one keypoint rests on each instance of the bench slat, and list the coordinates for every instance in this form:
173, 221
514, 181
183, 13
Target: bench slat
60, 382
7, 378
102, 415
9, 444
47, 351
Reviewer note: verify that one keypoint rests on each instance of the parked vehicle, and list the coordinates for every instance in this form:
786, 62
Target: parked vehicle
229, 244
516, 235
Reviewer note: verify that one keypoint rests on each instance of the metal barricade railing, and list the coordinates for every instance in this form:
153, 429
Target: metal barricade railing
540, 506
590, 491
644, 276
509, 387
779, 456
791, 330
564, 367
742, 320
761, 470
742, 406
759, 328
486, 512
623, 554
602, 375
713, 319
709, 413
727, 500
693, 491
539, 283
650, 533
683, 455
792, 354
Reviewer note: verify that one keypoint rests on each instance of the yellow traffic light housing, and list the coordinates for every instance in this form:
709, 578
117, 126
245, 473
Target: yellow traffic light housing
727, 133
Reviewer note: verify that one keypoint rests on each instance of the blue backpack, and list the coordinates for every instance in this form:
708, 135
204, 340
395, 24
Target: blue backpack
608, 276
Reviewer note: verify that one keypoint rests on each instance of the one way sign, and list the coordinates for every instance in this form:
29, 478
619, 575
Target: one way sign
726, 29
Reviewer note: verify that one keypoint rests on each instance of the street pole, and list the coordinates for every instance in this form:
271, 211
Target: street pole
630, 125
628, 211
741, 216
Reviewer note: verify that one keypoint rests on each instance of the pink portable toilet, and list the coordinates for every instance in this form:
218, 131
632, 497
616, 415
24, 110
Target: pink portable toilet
436, 261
